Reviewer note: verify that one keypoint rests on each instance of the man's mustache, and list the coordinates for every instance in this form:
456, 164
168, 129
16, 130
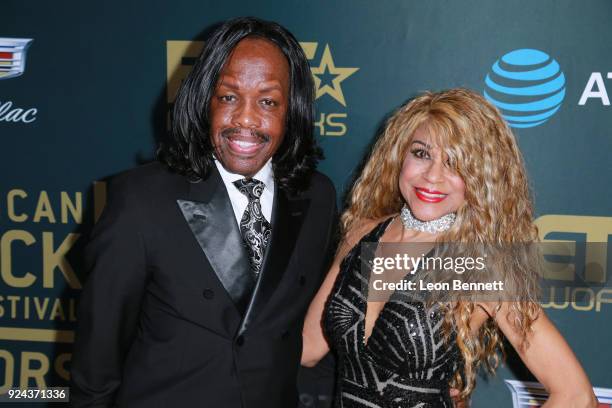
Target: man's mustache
264, 137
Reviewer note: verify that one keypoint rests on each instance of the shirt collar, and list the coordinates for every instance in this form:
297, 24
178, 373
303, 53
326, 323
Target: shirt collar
264, 174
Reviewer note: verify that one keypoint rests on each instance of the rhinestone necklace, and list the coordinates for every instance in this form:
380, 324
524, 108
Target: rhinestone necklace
434, 226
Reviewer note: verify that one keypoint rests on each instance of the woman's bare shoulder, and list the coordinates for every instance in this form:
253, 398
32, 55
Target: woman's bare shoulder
359, 229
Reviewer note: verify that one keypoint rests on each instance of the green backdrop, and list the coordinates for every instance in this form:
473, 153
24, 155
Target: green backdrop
101, 74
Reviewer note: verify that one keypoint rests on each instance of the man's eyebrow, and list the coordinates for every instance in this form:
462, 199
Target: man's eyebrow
421, 143
271, 87
227, 84
266, 88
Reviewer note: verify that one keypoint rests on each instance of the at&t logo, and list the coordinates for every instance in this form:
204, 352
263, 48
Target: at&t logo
527, 86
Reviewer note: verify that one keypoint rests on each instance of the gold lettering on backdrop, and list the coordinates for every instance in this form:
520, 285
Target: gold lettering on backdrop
599, 299
552, 303
52, 259
33, 365
596, 229
581, 299
560, 270
28, 372
37, 335
68, 206
10, 205
327, 123
13, 300
38, 308
6, 266
57, 259
176, 71
310, 48
57, 311
60, 365
26, 309
99, 192
43, 208
75, 207
329, 81
579, 293
41, 309
9, 370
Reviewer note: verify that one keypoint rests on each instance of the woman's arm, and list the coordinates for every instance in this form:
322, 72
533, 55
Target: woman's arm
315, 346
551, 360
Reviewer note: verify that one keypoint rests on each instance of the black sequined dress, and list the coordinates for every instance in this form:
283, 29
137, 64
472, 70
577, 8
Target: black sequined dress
405, 363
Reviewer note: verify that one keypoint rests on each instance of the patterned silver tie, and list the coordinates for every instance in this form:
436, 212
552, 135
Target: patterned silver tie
254, 227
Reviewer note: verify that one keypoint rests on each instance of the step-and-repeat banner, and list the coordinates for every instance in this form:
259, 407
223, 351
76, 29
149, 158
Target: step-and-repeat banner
84, 94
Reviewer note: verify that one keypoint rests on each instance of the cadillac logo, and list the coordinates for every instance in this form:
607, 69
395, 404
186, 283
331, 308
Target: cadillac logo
13, 56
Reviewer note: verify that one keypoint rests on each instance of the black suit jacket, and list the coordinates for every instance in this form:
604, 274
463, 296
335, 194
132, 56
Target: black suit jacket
164, 320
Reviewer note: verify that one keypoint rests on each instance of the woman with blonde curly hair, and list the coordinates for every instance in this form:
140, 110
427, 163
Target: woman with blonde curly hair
447, 169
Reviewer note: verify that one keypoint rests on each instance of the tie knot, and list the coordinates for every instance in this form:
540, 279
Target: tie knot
252, 188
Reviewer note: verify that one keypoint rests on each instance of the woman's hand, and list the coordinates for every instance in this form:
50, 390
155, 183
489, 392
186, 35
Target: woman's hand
550, 359
457, 402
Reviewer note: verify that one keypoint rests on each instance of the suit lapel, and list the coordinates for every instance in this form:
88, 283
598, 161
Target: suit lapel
209, 214
287, 221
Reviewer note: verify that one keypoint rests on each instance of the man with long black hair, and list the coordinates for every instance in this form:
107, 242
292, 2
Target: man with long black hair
204, 262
